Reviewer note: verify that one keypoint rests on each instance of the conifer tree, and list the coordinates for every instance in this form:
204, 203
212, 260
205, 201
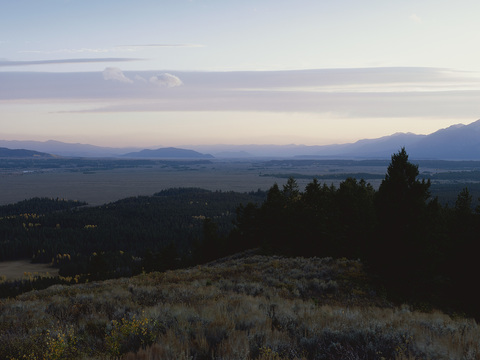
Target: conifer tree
402, 240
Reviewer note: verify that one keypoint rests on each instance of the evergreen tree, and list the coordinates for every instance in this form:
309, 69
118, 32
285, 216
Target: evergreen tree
403, 238
356, 218
463, 204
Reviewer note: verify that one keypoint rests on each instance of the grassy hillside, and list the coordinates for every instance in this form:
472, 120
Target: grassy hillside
244, 307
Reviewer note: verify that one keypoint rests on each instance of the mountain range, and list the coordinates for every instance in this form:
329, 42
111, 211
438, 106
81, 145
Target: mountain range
168, 153
457, 142
22, 153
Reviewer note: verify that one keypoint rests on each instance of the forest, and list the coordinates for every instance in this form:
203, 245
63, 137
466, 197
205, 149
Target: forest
415, 248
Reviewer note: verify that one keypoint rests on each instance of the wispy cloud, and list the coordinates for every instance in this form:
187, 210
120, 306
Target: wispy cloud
120, 48
415, 18
166, 80
371, 92
63, 61
140, 78
161, 80
163, 45
111, 73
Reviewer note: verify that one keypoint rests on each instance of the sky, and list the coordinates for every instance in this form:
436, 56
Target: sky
189, 72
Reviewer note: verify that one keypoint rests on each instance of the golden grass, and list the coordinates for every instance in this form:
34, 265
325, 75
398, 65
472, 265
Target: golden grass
253, 307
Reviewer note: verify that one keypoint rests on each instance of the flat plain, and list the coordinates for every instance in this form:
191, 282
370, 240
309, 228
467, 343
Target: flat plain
101, 186
112, 180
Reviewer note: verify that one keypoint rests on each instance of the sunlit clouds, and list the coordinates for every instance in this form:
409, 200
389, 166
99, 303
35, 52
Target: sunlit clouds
307, 107
190, 72
160, 80
166, 80
111, 73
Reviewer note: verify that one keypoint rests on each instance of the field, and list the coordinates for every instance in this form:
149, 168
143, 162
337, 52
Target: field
110, 180
15, 270
103, 186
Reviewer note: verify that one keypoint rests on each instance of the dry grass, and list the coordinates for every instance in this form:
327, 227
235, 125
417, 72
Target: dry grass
16, 270
251, 307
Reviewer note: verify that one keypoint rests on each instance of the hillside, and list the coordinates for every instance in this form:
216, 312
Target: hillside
457, 142
244, 307
168, 153
22, 153
67, 149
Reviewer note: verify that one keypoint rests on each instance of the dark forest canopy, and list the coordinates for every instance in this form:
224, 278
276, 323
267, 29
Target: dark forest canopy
67, 234
416, 248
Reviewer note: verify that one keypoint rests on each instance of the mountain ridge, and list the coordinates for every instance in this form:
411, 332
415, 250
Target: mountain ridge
22, 153
168, 153
456, 142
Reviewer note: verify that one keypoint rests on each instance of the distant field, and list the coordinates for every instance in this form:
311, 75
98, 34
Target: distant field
103, 186
14, 270
111, 180
99, 187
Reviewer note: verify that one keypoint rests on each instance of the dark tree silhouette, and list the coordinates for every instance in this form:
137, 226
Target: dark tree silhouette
402, 240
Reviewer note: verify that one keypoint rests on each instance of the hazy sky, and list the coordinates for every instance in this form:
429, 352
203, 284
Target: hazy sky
148, 73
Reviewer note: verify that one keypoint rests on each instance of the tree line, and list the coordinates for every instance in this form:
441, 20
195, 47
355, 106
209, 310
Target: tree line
415, 248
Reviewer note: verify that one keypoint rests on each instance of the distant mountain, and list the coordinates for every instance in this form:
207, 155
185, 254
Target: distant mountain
382, 147
22, 153
168, 153
67, 149
457, 142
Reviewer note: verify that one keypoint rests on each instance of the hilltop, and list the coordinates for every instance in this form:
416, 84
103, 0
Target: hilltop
242, 307
168, 153
22, 153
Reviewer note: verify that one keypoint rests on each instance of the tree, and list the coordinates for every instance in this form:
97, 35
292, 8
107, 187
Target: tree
356, 217
213, 245
401, 193
290, 190
463, 204
319, 220
403, 241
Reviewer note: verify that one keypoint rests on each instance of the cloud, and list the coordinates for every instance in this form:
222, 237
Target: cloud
160, 45
63, 61
415, 18
120, 48
112, 73
166, 80
141, 79
369, 92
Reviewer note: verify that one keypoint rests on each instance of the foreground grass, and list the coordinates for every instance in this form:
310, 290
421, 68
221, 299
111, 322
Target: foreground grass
252, 307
